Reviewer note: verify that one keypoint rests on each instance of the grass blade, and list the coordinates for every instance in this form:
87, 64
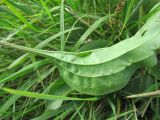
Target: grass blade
4, 107
46, 9
62, 24
39, 46
45, 96
89, 31
23, 71
18, 14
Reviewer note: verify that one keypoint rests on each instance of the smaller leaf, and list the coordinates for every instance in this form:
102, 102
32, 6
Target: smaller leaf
140, 84
58, 87
155, 71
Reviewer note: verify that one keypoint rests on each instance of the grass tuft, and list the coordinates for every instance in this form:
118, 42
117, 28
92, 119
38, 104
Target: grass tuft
31, 87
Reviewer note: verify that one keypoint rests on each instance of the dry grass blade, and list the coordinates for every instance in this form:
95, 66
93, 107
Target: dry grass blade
148, 94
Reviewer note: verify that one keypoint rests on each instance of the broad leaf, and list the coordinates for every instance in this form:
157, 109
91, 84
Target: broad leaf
105, 70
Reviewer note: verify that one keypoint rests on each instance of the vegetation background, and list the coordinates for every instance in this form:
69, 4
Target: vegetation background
67, 25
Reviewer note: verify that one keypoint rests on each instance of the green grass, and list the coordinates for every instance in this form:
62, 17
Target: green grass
28, 83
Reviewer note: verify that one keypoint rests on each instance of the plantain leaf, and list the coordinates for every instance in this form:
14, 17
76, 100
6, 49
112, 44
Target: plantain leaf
59, 88
105, 70
95, 44
155, 71
141, 83
146, 5
140, 13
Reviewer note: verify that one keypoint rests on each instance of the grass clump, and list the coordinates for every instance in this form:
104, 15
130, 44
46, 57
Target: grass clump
69, 25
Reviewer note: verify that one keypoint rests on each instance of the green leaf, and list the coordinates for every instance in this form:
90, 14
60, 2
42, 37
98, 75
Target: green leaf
25, 70
22, 58
155, 71
106, 70
50, 113
90, 30
44, 96
62, 24
46, 9
141, 83
18, 14
58, 87
26, 86
95, 44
